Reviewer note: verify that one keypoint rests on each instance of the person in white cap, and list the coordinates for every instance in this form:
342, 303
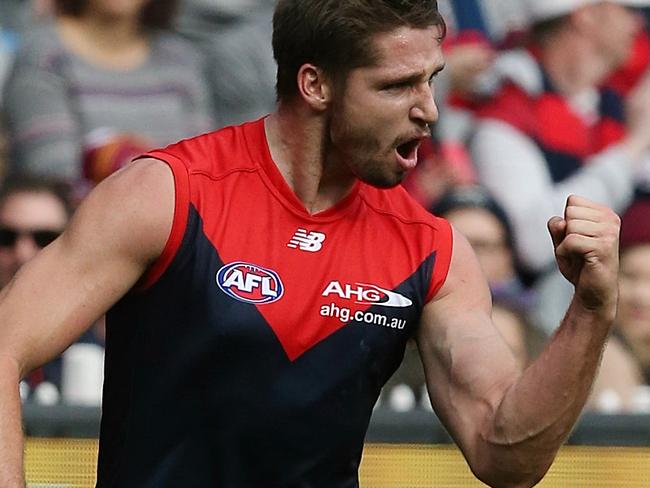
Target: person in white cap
547, 9
552, 130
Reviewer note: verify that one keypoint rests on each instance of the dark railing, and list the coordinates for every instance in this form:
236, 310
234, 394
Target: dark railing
417, 426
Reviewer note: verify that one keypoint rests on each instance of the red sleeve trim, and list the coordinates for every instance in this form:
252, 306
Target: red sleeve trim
181, 210
444, 247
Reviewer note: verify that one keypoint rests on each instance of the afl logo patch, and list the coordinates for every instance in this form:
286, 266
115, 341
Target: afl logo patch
250, 283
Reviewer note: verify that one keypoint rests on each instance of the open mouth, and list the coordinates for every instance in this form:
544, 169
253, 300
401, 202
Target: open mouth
407, 153
408, 149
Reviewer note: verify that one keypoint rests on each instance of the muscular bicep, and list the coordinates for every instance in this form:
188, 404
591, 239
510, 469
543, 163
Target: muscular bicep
114, 236
467, 364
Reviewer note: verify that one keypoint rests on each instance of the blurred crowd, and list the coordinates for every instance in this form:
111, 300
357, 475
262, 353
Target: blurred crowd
538, 100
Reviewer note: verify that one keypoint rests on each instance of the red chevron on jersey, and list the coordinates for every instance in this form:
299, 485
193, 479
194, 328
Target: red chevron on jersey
308, 275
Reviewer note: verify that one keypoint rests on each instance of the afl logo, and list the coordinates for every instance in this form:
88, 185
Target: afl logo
250, 283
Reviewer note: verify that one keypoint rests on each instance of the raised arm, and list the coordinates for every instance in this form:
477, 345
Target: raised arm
114, 236
510, 424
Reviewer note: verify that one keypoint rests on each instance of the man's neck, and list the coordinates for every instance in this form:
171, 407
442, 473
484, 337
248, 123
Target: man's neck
298, 142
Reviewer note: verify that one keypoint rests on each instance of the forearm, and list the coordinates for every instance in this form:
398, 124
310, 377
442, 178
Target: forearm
538, 412
510, 424
11, 435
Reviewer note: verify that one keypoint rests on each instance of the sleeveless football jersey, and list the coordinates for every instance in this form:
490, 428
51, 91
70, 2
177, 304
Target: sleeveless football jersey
255, 348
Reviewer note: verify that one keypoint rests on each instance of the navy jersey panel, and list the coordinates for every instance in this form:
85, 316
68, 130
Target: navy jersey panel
256, 356
195, 401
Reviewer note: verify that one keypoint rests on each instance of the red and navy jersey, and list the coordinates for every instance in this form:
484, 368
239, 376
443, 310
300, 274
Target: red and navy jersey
255, 348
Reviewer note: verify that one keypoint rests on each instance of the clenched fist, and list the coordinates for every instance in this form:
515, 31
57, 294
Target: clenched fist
586, 250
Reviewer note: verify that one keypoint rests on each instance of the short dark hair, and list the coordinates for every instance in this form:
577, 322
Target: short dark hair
336, 35
156, 14
60, 190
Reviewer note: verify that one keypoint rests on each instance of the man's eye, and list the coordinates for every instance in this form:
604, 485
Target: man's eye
397, 86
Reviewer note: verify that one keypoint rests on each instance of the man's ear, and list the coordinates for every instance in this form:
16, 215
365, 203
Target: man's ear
314, 87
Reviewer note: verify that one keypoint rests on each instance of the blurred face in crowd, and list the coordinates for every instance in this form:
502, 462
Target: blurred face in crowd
28, 222
633, 319
384, 110
618, 27
487, 236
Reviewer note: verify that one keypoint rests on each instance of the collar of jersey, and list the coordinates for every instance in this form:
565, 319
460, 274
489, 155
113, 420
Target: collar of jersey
278, 185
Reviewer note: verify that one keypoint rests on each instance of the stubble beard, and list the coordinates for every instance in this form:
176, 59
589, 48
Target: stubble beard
380, 179
362, 153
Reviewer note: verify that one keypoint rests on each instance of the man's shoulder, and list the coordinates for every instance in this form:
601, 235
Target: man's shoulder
218, 151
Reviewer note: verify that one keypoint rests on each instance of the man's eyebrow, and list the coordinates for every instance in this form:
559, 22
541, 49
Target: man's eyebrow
414, 77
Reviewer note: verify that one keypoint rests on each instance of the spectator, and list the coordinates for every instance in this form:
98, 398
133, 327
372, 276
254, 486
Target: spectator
626, 360
235, 38
16, 16
32, 214
476, 30
473, 212
101, 82
498, 19
634, 308
551, 131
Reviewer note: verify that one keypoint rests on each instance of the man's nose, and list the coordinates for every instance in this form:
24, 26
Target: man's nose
425, 108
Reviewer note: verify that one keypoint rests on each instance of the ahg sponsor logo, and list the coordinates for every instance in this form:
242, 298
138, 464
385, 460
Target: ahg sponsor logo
250, 283
345, 314
366, 294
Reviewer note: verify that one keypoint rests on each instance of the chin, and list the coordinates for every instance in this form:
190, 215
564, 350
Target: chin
383, 182
381, 179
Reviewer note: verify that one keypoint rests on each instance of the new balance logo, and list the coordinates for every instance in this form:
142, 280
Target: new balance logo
307, 241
